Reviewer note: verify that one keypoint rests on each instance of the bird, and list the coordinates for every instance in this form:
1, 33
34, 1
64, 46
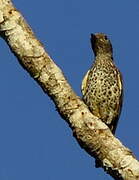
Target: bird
102, 85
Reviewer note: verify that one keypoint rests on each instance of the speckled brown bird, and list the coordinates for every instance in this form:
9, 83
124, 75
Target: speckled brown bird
102, 85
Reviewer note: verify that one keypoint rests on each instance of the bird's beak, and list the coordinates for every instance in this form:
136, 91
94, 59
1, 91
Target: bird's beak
93, 37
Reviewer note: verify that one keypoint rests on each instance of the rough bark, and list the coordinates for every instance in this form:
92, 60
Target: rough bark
92, 134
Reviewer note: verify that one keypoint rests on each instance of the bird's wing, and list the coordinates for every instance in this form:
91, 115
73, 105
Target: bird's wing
120, 81
84, 83
119, 106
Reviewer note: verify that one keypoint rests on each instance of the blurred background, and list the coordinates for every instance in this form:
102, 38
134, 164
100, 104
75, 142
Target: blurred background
35, 142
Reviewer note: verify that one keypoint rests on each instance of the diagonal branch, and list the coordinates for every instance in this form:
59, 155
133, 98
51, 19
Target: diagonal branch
92, 134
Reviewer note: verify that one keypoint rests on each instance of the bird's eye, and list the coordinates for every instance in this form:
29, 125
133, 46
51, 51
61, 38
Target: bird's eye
105, 37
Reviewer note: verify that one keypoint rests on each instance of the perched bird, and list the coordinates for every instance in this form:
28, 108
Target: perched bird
102, 87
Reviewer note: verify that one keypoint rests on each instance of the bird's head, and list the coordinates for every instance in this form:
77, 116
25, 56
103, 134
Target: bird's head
101, 44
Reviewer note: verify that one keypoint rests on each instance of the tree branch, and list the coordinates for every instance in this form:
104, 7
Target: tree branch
91, 133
